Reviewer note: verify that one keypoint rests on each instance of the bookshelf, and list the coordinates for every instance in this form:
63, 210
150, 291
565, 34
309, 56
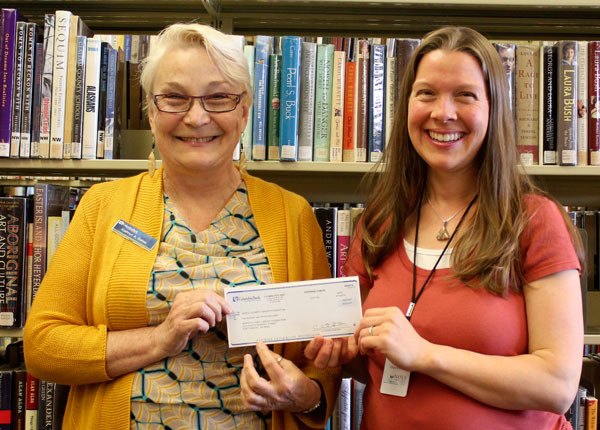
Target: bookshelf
320, 182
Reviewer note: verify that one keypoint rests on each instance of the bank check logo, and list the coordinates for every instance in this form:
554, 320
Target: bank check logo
236, 299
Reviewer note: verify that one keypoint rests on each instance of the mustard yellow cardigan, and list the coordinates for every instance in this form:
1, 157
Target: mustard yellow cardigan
97, 282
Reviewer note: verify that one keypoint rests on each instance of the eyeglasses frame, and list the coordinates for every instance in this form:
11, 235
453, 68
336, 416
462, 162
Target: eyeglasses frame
232, 96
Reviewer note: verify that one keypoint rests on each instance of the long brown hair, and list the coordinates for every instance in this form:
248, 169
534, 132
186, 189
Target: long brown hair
488, 253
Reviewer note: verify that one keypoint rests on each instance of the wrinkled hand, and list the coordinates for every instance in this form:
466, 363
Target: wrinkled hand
327, 352
288, 388
393, 336
192, 312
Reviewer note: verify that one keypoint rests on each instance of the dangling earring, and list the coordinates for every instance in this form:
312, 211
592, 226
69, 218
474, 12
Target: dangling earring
152, 160
243, 160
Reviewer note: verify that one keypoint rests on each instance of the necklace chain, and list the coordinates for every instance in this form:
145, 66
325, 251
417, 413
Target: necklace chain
443, 234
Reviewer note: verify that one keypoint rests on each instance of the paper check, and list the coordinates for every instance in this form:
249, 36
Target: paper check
293, 311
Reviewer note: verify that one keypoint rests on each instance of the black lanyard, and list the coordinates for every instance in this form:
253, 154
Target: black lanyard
415, 296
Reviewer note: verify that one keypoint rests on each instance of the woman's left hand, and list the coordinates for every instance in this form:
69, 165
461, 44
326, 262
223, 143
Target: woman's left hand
288, 388
387, 331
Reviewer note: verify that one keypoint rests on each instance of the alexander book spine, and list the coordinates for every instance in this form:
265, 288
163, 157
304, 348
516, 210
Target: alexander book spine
13, 260
91, 95
290, 97
273, 122
47, 75
20, 49
62, 27
377, 103
549, 96
336, 143
78, 102
111, 95
28, 90
323, 94
308, 70
263, 49
566, 130
594, 102
7, 69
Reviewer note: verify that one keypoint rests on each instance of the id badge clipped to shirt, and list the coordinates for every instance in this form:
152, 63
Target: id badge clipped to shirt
394, 380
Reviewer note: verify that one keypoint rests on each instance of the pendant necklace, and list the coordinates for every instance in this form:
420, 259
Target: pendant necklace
443, 234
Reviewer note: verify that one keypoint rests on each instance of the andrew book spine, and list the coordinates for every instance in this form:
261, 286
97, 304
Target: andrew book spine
327, 219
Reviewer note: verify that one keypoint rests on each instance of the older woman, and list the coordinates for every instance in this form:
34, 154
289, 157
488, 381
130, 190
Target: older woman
473, 316
131, 313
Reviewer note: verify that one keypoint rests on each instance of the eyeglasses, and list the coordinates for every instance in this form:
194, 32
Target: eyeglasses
214, 103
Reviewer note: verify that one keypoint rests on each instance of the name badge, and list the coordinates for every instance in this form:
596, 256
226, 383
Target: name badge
395, 380
134, 235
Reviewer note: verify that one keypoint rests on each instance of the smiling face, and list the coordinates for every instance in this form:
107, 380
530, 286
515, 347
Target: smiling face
448, 110
195, 140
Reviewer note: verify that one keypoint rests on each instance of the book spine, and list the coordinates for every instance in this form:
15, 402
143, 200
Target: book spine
508, 53
7, 69
566, 127
390, 87
351, 83
594, 102
47, 76
40, 202
46, 407
28, 90
343, 239
246, 138
362, 121
101, 95
37, 101
327, 219
13, 259
90, 114
404, 50
111, 96
19, 399
274, 111
70, 87
20, 49
342, 413
263, 49
549, 87
358, 390
377, 102
308, 70
31, 402
582, 106
62, 27
337, 107
527, 102
78, 96
290, 97
323, 95
6, 398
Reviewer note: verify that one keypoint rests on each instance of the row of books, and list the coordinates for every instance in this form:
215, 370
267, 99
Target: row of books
63, 90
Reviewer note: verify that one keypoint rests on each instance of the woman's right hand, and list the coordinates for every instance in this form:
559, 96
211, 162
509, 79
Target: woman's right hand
192, 312
327, 352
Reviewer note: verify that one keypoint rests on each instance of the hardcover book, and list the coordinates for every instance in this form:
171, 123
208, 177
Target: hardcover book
263, 49
6, 397
594, 102
337, 107
246, 138
508, 55
327, 219
548, 107
527, 102
323, 95
308, 71
37, 101
29, 76
62, 27
7, 72
14, 212
290, 97
20, 49
377, 103
43, 151
274, 104
104, 48
566, 124
111, 102
78, 97
582, 103
91, 102
361, 143
391, 86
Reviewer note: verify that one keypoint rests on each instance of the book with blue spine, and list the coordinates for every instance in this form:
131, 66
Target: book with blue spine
290, 97
20, 48
377, 103
263, 48
323, 94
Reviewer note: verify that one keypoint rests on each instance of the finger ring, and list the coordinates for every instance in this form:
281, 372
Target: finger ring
371, 331
279, 359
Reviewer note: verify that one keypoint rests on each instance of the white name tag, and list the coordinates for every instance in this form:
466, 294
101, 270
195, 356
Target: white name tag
394, 380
